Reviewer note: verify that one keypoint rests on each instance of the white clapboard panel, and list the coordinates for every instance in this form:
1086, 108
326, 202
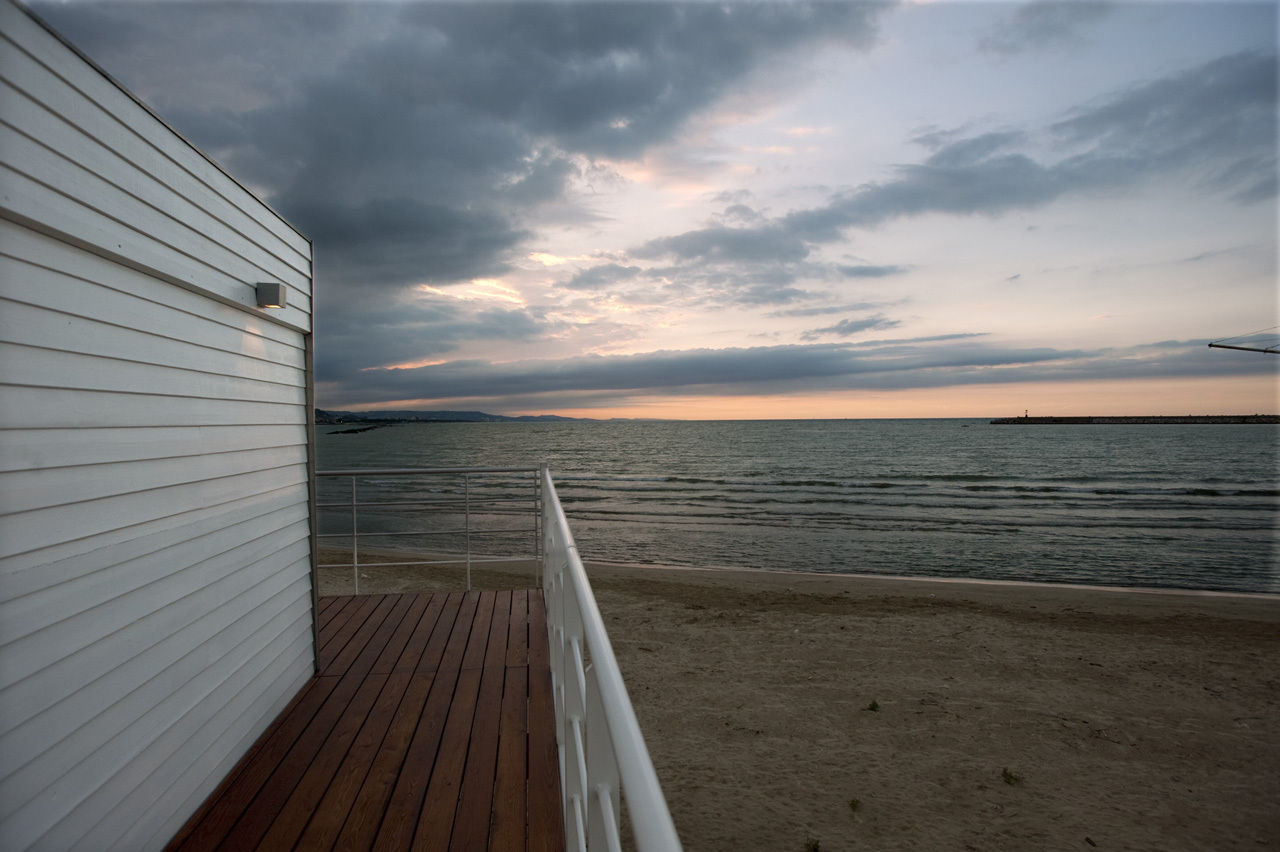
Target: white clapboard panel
146, 822
127, 126
217, 595
81, 136
157, 341
61, 408
155, 518
30, 367
83, 595
165, 234
205, 738
35, 570
40, 528
31, 449
82, 793
37, 251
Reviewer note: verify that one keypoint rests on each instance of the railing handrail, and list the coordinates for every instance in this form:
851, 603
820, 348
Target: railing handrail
650, 818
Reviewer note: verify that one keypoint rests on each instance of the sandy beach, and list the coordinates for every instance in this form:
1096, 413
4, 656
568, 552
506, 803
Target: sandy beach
783, 710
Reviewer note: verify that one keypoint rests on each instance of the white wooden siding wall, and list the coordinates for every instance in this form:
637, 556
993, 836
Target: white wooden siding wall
155, 598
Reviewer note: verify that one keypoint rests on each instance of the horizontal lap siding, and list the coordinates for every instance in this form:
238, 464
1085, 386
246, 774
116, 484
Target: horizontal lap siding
155, 572
136, 189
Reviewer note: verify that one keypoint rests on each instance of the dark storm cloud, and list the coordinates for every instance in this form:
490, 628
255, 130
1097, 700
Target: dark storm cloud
465, 116
709, 370
360, 337
421, 143
613, 78
881, 365
1043, 24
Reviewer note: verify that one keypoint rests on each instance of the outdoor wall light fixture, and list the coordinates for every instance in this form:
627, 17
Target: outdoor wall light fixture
270, 295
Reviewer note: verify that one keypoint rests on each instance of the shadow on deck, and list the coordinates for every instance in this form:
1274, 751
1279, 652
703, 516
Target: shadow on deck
429, 726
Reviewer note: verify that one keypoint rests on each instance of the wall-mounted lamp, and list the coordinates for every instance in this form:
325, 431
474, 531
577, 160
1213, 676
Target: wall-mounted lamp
270, 295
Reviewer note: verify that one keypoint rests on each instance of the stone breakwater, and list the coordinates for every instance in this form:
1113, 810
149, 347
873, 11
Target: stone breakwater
1108, 421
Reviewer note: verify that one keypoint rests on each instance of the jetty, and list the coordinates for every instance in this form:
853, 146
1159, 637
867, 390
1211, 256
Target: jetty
1138, 421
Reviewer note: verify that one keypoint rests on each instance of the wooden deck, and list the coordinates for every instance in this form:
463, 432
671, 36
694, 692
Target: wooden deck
429, 726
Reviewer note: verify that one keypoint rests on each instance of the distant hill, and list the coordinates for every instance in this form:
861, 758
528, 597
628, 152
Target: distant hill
326, 417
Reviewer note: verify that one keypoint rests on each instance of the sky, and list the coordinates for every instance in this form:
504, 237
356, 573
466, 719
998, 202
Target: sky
749, 209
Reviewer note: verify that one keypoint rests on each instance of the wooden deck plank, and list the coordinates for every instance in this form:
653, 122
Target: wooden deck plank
511, 783
206, 828
475, 797
435, 822
422, 608
545, 821
400, 820
418, 733
366, 815
360, 651
256, 819
347, 623
424, 650
518, 638
298, 809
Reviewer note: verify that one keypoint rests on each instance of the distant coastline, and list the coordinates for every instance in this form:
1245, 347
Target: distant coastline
1154, 419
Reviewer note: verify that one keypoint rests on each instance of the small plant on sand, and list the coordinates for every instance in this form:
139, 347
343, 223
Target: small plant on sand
812, 845
1009, 777
854, 804
874, 706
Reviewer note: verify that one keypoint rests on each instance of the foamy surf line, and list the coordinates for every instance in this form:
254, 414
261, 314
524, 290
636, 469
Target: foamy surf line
835, 577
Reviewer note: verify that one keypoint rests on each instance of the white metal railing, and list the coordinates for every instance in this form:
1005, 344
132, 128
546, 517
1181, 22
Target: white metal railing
464, 493
602, 752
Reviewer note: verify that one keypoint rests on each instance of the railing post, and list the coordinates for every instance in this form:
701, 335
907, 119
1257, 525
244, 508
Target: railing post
355, 539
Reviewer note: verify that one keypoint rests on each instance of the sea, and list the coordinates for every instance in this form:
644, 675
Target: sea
1152, 506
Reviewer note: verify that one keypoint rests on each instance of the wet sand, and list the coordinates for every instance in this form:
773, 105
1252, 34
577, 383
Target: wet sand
885, 713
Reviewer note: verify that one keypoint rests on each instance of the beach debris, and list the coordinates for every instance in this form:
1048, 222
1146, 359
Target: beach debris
1089, 840
1009, 778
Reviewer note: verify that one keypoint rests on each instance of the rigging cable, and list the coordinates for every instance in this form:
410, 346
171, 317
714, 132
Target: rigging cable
1273, 349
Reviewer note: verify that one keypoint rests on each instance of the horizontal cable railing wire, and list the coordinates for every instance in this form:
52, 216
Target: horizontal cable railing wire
461, 494
603, 757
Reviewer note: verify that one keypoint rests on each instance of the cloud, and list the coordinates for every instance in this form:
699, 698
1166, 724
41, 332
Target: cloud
827, 310
408, 329
940, 361
871, 271
1043, 24
427, 142
464, 116
849, 327
1214, 124
602, 277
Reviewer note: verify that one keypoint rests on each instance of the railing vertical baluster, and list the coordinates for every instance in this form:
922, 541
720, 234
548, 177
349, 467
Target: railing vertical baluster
355, 539
602, 771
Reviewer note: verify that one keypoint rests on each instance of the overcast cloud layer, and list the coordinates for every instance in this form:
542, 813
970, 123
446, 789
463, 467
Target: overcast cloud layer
541, 206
